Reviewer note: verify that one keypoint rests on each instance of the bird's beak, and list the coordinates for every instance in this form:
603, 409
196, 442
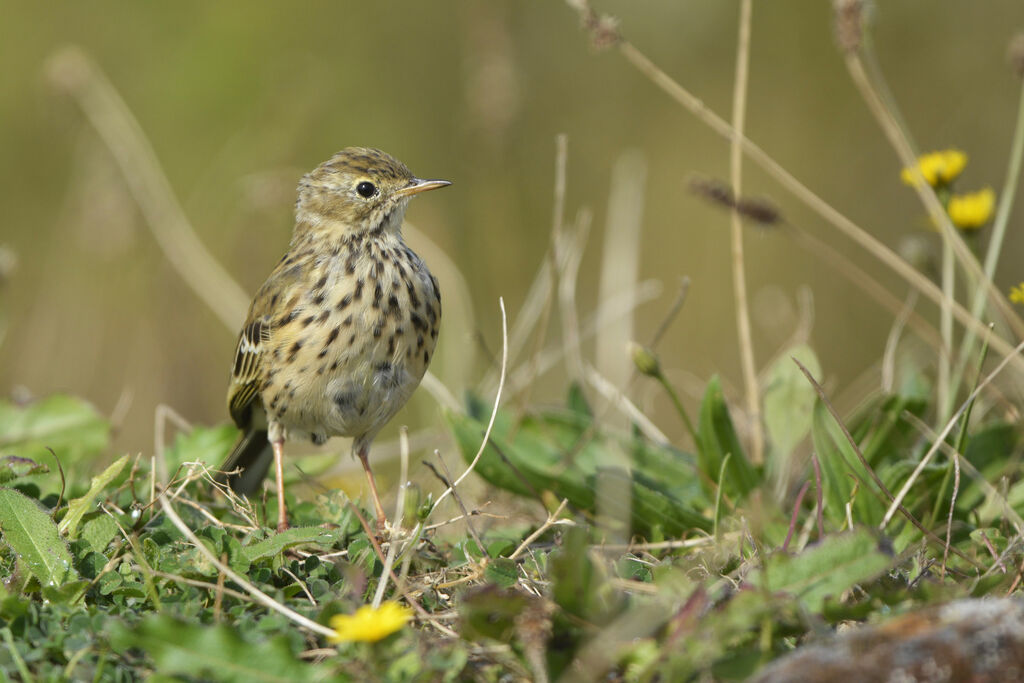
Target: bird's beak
416, 186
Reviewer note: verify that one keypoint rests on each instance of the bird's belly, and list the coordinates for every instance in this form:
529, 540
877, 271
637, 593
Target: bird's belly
360, 408
355, 347
352, 393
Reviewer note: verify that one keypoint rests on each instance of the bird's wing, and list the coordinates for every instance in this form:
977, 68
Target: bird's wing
275, 301
246, 374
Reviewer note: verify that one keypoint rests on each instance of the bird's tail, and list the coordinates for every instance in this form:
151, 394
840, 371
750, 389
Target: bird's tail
252, 455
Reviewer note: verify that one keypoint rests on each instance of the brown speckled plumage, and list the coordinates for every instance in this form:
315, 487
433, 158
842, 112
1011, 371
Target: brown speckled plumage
342, 331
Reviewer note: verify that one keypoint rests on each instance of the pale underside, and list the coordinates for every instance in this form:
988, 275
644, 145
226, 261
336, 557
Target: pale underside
347, 352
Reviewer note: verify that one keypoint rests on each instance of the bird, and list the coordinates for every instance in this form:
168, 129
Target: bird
342, 331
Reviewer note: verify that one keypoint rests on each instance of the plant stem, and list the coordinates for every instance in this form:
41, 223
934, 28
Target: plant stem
995, 245
679, 407
739, 278
829, 213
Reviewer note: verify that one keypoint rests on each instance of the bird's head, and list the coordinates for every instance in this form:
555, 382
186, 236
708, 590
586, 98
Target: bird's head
358, 190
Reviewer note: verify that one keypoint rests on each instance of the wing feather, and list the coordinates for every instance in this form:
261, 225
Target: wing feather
246, 374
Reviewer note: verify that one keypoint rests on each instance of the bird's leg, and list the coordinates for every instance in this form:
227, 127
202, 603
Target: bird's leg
364, 457
282, 511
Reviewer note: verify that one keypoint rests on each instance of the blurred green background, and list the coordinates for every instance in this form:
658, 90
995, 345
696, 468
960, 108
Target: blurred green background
238, 100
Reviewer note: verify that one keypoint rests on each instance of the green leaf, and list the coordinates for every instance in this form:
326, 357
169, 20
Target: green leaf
33, 536
208, 445
214, 652
789, 400
66, 593
561, 453
99, 531
823, 571
79, 506
70, 426
843, 472
716, 437
490, 612
502, 571
12, 467
577, 401
576, 580
288, 538
578, 588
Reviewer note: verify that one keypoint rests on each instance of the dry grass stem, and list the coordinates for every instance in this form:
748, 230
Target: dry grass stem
476, 512
561, 160
607, 314
440, 393
825, 210
533, 305
446, 479
611, 393
569, 247
258, 595
73, 71
867, 283
991, 491
494, 411
206, 585
940, 439
739, 276
396, 531
952, 506
620, 263
892, 342
161, 416
995, 245
551, 521
670, 315
301, 584
870, 470
908, 159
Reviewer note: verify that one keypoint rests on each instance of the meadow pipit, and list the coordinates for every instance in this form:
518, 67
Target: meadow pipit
342, 331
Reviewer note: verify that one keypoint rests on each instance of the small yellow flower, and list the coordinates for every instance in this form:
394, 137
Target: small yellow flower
938, 168
1017, 294
973, 210
369, 625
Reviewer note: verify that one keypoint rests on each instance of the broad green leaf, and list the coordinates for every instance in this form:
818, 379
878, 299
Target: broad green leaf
79, 506
99, 531
823, 571
575, 580
575, 589
33, 536
559, 452
789, 400
502, 572
882, 429
987, 449
213, 652
66, 593
843, 472
208, 445
717, 438
70, 426
490, 612
12, 467
288, 538
577, 401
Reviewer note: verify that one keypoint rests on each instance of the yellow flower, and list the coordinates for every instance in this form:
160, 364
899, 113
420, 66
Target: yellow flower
973, 210
938, 168
369, 625
1017, 294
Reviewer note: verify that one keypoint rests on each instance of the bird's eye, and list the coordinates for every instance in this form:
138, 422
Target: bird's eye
366, 189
